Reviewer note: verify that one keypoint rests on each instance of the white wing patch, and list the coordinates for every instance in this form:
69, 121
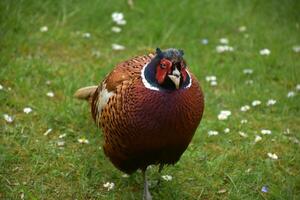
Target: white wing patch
103, 97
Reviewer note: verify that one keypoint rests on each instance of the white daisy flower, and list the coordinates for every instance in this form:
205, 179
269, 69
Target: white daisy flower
8, 118
86, 35
44, 29
167, 177
226, 130
121, 22
224, 114
62, 136
245, 108
248, 71
287, 131
22, 196
220, 49
213, 83
264, 189
242, 28
83, 141
264, 52
296, 49
48, 131
224, 48
109, 185
204, 41
256, 103
50, 94
27, 110
224, 41
60, 143
118, 18
125, 175
243, 134
117, 47
273, 156
266, 132
1, 87
257, 138
116, 29
244, 121
222, 191
291, 94
271, 102
222, 117
210, 133
210, 78
298, 87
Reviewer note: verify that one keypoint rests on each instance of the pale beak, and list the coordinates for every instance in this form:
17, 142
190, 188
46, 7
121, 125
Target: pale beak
175, 77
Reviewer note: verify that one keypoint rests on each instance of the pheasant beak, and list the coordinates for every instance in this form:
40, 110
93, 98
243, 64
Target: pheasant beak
175, 77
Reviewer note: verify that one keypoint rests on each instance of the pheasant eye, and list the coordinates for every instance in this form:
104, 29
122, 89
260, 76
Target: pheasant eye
163, 66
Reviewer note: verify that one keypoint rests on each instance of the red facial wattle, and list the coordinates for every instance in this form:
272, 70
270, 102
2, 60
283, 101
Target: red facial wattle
183, 73
162, 70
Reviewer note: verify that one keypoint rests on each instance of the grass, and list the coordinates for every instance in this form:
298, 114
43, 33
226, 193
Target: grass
32, 166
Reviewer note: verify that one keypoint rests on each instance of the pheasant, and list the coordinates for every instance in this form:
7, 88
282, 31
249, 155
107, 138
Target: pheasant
149, 108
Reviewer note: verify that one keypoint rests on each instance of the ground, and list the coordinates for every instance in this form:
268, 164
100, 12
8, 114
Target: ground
60, 46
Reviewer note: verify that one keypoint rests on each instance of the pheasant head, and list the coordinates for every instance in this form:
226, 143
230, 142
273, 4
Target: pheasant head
167, 70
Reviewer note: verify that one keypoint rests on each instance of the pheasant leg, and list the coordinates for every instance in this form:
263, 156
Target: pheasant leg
147, 195
161, 166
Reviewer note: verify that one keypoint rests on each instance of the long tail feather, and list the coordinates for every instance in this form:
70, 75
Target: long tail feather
85, 93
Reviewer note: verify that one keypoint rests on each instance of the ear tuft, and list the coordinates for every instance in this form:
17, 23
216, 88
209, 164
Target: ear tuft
159, 53
181, 52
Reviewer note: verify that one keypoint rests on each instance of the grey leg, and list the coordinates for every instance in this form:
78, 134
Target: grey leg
161, 166
147, 195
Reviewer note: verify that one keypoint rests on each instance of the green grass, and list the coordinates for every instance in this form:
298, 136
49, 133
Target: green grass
33, 165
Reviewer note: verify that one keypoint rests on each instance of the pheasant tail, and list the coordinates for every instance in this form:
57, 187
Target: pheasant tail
86, 93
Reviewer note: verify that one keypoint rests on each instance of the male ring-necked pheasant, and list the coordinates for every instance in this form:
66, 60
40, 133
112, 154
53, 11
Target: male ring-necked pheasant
148, 108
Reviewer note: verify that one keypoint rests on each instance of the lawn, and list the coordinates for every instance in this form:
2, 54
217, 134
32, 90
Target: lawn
50, 48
